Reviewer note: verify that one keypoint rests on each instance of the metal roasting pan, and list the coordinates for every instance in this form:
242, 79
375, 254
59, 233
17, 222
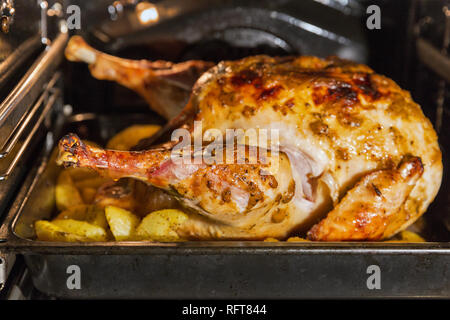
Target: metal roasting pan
207, 269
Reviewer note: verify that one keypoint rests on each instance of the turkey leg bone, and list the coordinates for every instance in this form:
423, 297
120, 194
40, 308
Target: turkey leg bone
238, 195
165, 86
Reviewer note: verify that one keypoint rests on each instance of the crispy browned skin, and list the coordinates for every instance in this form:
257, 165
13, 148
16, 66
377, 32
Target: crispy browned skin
337, 122
344, 120
235, 194
372, 207
165, 86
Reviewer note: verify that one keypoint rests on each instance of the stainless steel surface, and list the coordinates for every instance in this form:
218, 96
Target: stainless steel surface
28, 117
44, 32
305, 27
207, 269
352, 7
251, 273
22, 40
19, 285
20, 288
10, 186
435, 56
21, 111
14, 60
22, 97
26, 143
47, 11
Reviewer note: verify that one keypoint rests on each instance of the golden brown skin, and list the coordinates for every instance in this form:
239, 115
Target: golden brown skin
246, 195
375, 201
338, 122
165, 86
346, 120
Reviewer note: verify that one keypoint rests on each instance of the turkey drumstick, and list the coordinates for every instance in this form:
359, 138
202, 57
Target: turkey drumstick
165, 86
237, 194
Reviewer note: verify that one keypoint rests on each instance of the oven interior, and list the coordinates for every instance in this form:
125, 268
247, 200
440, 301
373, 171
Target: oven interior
227, 30
250, 27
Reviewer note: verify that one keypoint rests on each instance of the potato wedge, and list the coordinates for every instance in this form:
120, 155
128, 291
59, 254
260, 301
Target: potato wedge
66, 193
47, 231
407, 236
122, 223
296, 239
82, 228
161, 225
92, 214
129, 137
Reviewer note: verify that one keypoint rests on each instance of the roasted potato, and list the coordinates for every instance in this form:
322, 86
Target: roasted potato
66, 193
129, 137
296, 239
82, 228
122, 223
161, 225
47, 231
271, 240
92, 214
408, 236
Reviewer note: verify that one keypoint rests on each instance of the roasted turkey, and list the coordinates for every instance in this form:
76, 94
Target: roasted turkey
357, 159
